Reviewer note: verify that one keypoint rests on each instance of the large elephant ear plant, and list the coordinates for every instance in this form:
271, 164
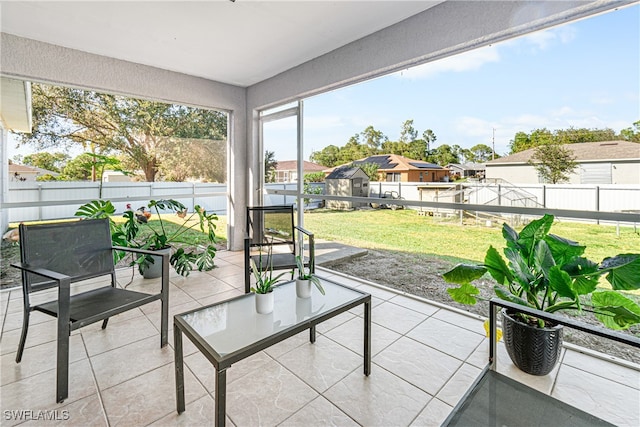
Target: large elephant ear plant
550, 273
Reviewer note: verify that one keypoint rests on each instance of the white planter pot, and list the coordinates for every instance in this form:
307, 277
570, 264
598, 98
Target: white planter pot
155, 270
303, 288
264, 303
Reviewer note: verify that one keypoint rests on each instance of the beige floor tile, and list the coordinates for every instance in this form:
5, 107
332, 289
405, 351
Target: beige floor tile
321, 364
219, 297
319, 413
198, 413
267, 397
449, 339
38, 392
87, 412
225, 270
603, 368
381, 399
38, 359
396, 318
148, 398
415, 304
458, 385
609, 400
418, 364
433, 414
204, 287
123, 363
379, 293
38, 334
471, 322
338, 320
98, 340
277, 350
176, 297
154, 316
351, 335
14, 320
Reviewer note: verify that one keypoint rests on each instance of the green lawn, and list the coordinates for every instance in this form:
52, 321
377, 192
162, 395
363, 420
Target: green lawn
405, 230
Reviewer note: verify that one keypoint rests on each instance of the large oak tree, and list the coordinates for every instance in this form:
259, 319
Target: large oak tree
146, 132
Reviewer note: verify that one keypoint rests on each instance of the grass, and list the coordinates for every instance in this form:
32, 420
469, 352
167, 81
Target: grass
405, 230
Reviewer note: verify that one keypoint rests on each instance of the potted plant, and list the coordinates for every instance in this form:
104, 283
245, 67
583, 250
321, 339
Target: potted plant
305, 279
549, 273
187, 254
265, 282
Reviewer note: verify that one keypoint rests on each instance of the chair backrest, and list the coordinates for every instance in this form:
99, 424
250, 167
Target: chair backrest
80, 249
270, 225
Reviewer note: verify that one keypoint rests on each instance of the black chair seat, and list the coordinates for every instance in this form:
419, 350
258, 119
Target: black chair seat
97, 304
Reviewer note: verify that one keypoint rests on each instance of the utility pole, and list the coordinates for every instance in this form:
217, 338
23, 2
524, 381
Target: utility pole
493, 144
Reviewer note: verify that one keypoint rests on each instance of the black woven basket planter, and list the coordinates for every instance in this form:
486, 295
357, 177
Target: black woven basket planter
533, 350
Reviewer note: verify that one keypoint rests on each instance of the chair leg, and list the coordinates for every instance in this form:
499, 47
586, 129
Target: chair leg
104, 323
23, 336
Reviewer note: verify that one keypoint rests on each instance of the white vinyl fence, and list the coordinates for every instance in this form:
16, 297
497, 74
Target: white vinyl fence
57, 200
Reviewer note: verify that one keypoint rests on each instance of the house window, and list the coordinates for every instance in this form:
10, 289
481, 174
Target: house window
393, 177
421, 177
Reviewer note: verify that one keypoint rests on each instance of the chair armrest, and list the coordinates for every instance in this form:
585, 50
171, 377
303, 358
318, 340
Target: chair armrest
139, 251
303, 230
49, 274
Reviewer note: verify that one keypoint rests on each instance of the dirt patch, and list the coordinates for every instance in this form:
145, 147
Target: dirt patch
421, 275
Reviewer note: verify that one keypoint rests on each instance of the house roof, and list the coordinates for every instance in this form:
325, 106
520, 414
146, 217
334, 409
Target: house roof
467, 166
343, 173
583, 152
289, 165
396, 163
24, 169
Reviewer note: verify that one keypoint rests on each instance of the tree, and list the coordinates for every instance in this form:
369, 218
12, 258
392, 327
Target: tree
445, 154
183, 160
553, 162
328, 156
373, 139
429, 137
479, 153
135, 127
371, 169
408, 133
631, 133
270, 165
53, 162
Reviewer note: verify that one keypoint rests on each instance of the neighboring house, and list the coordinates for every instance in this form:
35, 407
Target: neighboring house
467, 170
287, 170
114, 176
27, 173
610, 162
395, 168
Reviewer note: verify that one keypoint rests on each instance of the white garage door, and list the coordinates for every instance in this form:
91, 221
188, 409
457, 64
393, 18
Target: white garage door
595, 173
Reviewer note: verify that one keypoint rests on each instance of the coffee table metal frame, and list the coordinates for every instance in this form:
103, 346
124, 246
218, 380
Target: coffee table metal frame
223, 362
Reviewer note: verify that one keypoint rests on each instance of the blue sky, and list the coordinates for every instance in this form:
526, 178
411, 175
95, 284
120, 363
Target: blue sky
584, 74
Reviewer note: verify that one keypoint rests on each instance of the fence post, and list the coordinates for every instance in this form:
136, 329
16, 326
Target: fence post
193, 199
544, 196
40, 200
598, 201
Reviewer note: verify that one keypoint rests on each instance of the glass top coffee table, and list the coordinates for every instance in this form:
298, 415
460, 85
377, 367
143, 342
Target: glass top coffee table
232, 330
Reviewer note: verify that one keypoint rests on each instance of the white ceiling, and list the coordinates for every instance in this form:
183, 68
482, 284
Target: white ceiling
241, 42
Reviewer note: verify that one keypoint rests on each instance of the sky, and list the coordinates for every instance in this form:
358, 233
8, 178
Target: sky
585, 74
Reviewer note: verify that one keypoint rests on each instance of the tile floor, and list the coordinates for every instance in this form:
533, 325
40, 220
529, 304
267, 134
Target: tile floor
425, 356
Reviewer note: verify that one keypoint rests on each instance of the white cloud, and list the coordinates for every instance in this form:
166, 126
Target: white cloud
467, 61
323, 122
543, 40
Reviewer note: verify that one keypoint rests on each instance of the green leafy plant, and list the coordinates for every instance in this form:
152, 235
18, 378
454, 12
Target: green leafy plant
549, 273
264, 277
306, 274
186, 254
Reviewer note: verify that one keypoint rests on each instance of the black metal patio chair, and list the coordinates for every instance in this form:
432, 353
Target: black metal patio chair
271, 230
61, 254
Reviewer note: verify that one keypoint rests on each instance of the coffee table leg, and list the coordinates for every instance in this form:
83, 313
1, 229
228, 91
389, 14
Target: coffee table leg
312, 334
367, 337
221, 397
177, 345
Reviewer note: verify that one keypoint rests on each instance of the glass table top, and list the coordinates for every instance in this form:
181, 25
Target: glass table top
233, 325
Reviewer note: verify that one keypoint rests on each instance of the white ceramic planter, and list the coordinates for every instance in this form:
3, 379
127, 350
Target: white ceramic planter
264, 303
303, 288
155, 270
